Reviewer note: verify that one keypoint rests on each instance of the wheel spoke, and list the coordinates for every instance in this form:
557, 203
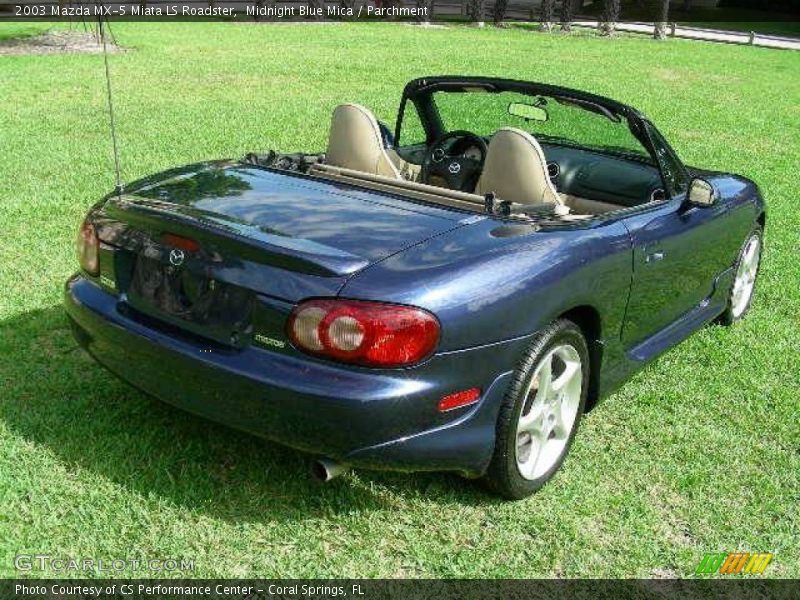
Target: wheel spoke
559, 427
751, 270
738, 288
545, 377
751, 251
571, 368
752, 256
539, 444
531, 421
529, 447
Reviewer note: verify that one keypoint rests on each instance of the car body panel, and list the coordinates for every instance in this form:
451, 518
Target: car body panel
491, 290
358, 223
506, 287
308, 404
679, 252
638, 280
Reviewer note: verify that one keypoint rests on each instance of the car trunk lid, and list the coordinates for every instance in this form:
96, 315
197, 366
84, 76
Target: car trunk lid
205, 246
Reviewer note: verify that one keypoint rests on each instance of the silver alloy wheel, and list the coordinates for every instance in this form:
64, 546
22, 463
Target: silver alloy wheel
549, 411
746, 276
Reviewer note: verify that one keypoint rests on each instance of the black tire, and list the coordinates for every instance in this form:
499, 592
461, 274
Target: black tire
729, 317
503, 476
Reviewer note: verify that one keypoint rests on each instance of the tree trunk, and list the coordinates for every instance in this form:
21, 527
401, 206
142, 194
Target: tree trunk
662, 13
386, 4
475, 11
548, 9
420, 4
608, 23
566, 15
499, 12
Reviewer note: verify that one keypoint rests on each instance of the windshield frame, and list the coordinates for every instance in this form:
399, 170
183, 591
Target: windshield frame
419, 92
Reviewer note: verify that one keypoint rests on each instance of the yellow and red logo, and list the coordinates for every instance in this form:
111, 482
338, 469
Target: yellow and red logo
734, 563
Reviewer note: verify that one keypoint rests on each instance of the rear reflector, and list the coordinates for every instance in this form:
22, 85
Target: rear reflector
87, 248
459, 399
372, 334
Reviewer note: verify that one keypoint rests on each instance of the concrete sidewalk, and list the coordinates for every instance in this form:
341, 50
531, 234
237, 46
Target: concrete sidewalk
709, 35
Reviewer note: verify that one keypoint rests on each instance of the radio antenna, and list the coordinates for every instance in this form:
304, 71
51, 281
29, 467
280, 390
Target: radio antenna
118, 188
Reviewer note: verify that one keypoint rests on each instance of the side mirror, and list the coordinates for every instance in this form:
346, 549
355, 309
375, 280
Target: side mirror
701, 193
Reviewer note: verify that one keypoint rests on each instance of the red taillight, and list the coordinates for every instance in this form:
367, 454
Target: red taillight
364, 333
87, 248
459, 399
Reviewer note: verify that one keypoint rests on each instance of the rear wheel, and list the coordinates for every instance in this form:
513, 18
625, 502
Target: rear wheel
744, 282
540, 412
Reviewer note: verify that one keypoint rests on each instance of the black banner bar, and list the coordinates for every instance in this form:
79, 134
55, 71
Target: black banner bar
407, 589
349, 10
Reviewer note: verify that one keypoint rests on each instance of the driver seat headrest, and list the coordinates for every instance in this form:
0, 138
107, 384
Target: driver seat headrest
516, 169
355, 142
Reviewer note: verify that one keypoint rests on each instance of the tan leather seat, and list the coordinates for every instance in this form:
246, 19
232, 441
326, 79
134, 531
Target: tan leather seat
355, 142
516, 169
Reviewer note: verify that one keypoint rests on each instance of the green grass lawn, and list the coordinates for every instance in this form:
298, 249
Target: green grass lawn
699, 453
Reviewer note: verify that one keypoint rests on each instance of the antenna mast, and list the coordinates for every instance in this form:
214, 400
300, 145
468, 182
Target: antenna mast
118, 188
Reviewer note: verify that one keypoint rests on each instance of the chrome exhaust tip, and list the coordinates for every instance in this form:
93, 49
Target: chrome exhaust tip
326, 469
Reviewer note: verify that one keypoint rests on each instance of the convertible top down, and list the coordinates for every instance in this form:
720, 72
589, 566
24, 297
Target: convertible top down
448, 294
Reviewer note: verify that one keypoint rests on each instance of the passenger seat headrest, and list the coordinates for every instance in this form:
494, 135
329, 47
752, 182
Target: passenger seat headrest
355, 142
516, 169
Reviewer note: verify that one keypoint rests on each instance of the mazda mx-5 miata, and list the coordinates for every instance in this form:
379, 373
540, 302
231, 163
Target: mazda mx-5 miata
451, 295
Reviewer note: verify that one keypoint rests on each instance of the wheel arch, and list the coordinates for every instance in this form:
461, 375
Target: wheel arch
588, 319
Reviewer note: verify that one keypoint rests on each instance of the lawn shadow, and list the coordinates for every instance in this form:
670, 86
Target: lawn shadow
58, 398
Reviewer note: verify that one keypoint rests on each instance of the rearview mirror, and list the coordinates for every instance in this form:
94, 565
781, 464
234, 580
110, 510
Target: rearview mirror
701, 193
529, 112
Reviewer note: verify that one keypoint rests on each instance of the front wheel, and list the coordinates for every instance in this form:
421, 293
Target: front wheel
540, 412
744, 282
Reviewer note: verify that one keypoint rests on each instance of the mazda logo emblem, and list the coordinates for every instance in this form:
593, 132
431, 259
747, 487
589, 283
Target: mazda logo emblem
176, 257
454, 167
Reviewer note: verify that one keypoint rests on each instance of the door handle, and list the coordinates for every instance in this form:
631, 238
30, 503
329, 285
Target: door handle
654, 257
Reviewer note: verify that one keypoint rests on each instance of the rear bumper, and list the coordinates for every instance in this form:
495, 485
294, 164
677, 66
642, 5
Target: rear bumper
383, 419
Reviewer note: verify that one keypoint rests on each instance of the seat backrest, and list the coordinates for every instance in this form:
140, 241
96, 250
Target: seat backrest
516, 170
355, 142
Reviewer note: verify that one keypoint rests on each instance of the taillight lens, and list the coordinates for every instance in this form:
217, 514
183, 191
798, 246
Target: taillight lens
364, 333
87, 249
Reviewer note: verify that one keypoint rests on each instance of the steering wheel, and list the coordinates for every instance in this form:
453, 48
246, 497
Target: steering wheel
445, 159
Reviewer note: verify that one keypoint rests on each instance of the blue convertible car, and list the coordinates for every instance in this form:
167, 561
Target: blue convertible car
450, 295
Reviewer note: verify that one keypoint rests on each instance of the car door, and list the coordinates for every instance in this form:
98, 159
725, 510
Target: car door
675, 252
